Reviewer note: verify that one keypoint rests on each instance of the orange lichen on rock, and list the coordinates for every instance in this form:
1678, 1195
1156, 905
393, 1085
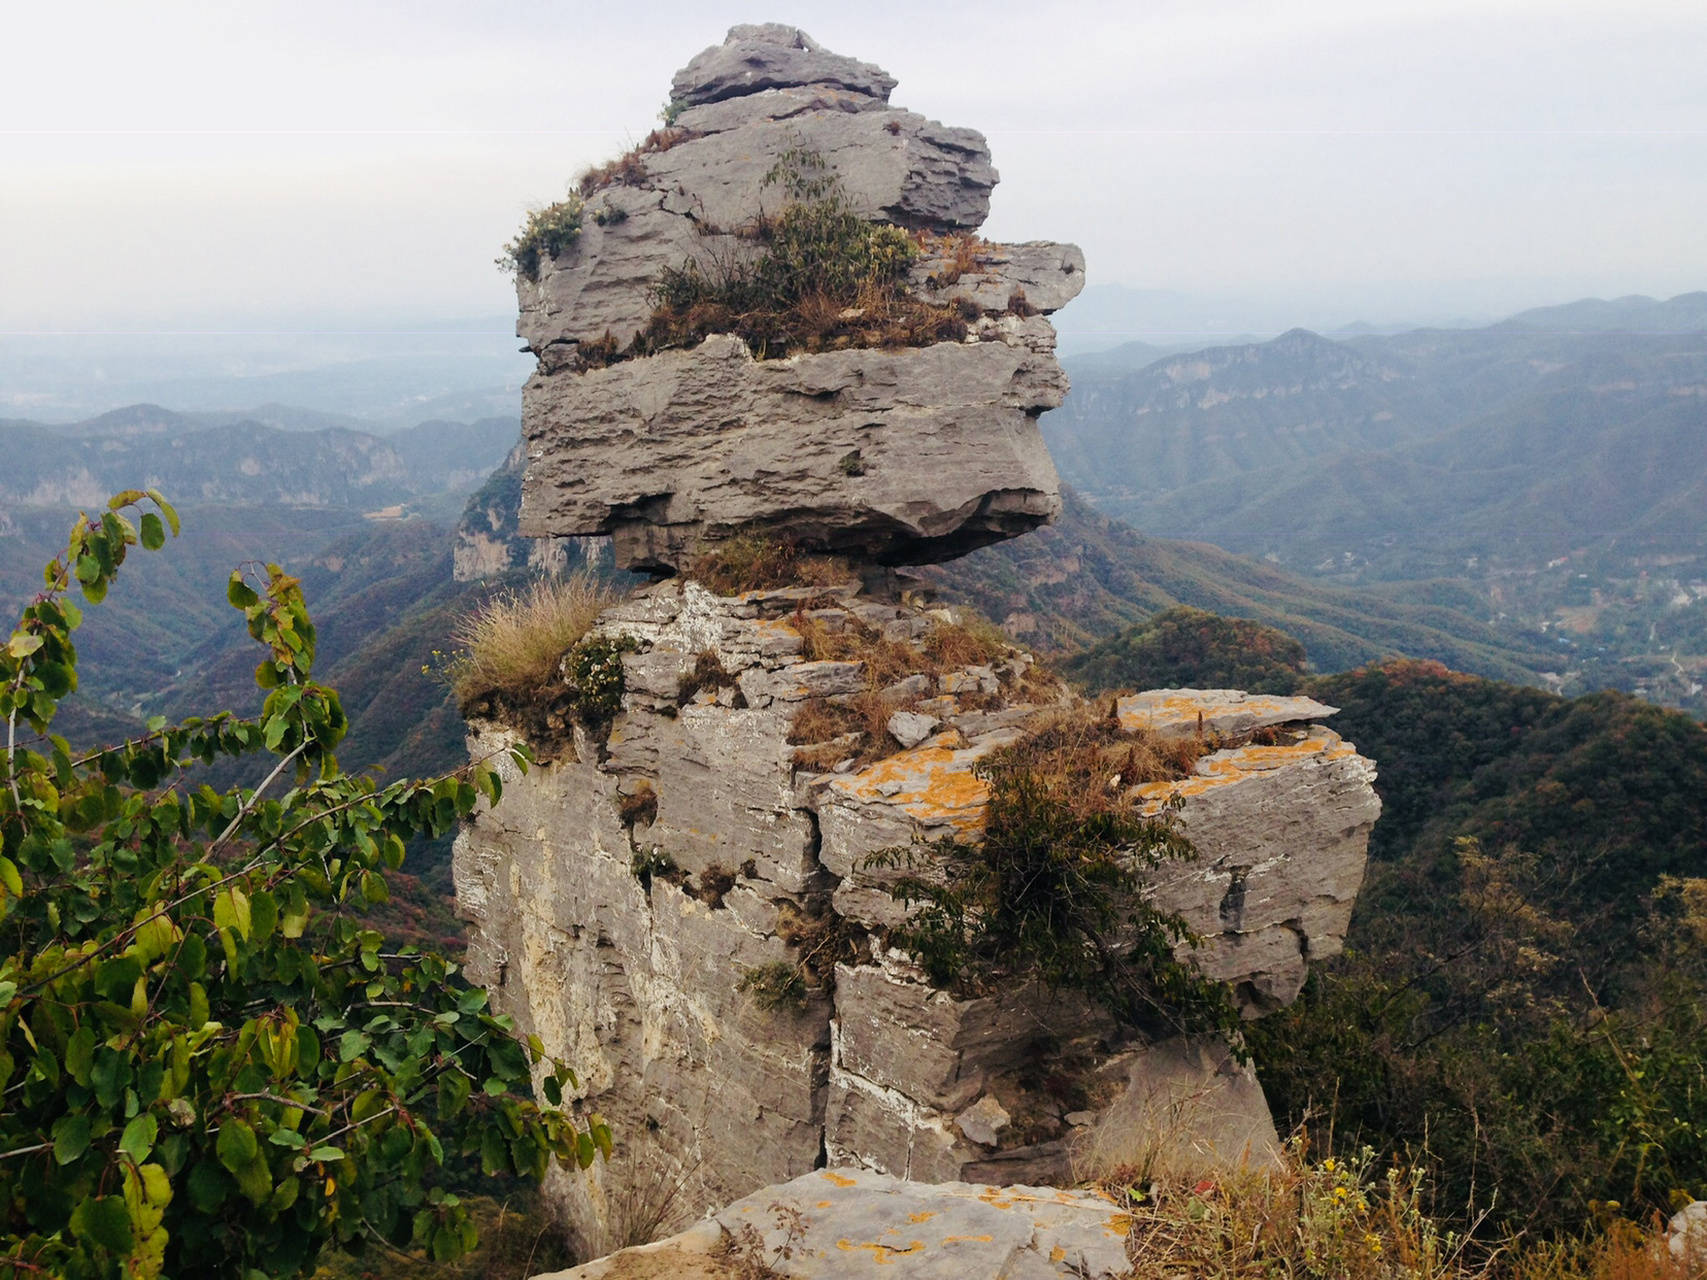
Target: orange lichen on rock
1223, 768
934, 783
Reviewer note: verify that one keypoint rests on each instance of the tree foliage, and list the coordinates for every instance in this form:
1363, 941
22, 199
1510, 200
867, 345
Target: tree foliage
1523, 999
1190, 648
211, 1065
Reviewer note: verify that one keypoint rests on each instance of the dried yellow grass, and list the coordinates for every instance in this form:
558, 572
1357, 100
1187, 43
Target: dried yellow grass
1347, 1220
511, 648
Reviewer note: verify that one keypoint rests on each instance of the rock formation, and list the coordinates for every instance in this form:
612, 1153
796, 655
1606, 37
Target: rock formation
892, 455
851, 1222
692, 903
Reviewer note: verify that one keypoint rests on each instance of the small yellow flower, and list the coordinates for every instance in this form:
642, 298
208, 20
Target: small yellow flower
1373, 1241
1328, 1164
1339, 1193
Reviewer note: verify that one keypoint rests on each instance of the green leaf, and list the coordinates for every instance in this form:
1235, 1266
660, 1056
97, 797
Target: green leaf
255, 1180
208, 1186
80, 1054
166, 509
263, 915
231, 911
153, 533
240, 593
351, 1045
70, 1138
104, 1221
10, 878
139, 1136
22, 645
236, 1145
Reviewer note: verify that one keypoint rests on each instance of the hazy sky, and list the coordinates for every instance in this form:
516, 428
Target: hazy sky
179, 164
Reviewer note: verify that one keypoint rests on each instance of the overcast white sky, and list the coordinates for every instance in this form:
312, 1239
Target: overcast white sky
180, 164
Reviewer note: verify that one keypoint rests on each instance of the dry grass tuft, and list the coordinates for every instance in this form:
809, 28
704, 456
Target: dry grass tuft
708, 676
629, 169
1082, 756
511, 647
753, 562
1348, 1221
638, 807
714, 882
830, 730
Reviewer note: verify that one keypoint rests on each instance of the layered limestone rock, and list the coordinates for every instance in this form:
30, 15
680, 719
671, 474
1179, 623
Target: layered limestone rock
896, 455
694, 904
631, 899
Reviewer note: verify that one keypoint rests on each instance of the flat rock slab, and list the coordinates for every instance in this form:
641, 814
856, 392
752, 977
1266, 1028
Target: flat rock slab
1225, 713
849, 1222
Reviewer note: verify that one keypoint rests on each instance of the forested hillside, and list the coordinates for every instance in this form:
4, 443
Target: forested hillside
1519, 1005
1542, 474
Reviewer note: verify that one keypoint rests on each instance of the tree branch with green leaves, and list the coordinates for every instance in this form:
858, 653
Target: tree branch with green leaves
212, 1065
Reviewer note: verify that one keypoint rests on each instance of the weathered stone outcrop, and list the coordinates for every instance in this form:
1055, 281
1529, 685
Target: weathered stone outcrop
694, 904
852, 1222
900, 455
624, 947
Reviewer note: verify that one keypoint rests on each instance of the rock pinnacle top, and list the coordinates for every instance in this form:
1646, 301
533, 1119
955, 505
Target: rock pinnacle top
775, 316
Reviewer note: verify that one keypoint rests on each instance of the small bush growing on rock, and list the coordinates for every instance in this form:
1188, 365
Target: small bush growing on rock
714, 882
1054, 892
755, 562
648, 863
825, 278
773, 986
708, 676
593, 671
547, 231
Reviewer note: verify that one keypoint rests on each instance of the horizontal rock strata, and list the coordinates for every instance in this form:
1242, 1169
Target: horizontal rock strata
635, 975
902, 455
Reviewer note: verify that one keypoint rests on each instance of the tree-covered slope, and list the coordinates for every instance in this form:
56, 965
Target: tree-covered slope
1087, 576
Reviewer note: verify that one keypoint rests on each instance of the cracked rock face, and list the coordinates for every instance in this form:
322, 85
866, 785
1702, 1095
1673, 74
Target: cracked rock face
898, 456
644, 979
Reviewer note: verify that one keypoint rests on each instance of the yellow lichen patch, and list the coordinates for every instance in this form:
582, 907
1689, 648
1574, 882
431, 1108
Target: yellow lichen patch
924, 1215
933, 783
882, 1254
1222, 768
839, 1180
967, 1239
1170, 712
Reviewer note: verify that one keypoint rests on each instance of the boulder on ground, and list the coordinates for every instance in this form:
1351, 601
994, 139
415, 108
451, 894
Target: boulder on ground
848, 1222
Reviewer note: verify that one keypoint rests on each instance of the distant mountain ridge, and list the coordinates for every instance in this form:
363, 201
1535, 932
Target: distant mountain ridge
1307, 447
244, 461
1548, 473
1635, 313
